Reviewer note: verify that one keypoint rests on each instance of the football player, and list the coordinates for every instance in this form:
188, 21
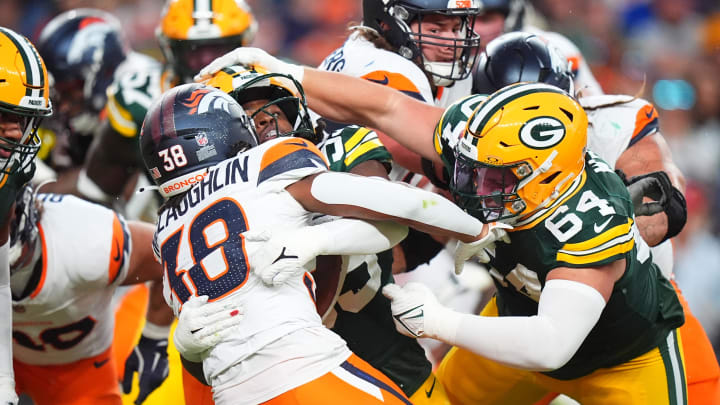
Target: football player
24, 102
624, 131
190, 34
425, 49
581, 307
67, 257
359, 314
202, 151
501, 16
82, 49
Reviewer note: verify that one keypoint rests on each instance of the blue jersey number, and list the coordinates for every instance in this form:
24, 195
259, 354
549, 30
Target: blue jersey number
218, 252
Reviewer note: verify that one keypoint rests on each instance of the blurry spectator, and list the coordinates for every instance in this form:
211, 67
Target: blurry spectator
697, 263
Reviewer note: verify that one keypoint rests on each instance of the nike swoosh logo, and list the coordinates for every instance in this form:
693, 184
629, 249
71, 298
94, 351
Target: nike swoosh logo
100, 363
649, 114
432, 387
384, 81
117, 249
599, 229
284, 256
296, 143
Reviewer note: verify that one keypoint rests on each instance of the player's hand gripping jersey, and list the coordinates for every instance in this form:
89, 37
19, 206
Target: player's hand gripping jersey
201, 246
68, 314
590, 225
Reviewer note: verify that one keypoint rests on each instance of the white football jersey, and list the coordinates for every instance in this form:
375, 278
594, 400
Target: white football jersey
616, 122
203, 253
85, 255
358, 57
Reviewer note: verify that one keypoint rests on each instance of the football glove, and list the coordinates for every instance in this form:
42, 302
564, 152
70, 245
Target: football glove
497, 231
7, 391
280, 258
415, 310
202, 325
655, 185
149, 360
249, 56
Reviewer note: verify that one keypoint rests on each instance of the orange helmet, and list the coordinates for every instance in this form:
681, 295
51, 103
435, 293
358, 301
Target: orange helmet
194, 33
24, 97
521, 149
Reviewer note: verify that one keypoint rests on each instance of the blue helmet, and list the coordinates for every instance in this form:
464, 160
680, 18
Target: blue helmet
190, 128
82, 48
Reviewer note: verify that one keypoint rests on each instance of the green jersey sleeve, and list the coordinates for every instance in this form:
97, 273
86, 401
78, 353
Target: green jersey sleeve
130, 95
349, 146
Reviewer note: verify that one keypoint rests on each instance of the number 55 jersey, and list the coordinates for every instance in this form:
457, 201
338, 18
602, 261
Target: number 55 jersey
201, 247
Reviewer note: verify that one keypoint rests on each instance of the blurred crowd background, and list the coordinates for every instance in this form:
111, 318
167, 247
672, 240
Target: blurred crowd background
667, 51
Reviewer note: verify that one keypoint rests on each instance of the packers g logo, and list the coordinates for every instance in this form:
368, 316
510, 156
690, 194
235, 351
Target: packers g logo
542, 132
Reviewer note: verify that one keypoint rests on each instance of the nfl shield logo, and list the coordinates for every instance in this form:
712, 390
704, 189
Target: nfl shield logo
201, 139
155, 173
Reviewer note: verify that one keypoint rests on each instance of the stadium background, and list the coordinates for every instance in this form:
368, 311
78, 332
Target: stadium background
667, 51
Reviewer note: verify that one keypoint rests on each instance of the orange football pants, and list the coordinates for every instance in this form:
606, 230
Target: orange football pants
89, 381
325, 390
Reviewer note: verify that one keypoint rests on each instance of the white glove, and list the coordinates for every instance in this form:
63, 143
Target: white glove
203, 325
251, 57
7, 391
465, 251
417, 312
282, 257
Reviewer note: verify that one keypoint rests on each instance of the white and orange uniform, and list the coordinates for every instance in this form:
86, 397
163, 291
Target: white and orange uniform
69, 317
358, 57
612, 130
282, 345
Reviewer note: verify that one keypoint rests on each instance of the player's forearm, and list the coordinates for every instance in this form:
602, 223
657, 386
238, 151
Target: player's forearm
567, 312
341, 194
368, 237
158, 312
346, 99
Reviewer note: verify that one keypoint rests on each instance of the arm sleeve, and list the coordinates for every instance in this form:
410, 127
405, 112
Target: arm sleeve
394, 199
367, 237
6, 363
567, 312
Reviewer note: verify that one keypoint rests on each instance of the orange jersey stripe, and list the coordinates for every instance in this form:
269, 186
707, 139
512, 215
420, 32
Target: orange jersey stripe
646, 122
44, 263
117, 250
287, 147
395, 80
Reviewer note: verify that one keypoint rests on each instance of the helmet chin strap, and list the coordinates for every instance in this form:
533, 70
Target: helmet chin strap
439, 69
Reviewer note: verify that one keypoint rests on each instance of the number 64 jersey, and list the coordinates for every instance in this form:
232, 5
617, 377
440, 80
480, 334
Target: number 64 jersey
203, 253
590, 225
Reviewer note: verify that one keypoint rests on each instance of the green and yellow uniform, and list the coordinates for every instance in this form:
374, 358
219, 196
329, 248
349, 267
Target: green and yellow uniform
589, 225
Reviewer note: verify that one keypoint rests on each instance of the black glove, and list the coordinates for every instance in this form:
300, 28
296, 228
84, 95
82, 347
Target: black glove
149, 360
656, 186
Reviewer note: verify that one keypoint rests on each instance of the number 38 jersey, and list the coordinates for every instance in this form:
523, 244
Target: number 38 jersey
201, 247
590, 225
68, 315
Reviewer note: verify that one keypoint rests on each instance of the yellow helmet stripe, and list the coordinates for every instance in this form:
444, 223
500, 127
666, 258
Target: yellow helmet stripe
501, 98
32, 62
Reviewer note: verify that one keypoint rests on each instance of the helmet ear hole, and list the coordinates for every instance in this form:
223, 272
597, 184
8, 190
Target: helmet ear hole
549, 179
